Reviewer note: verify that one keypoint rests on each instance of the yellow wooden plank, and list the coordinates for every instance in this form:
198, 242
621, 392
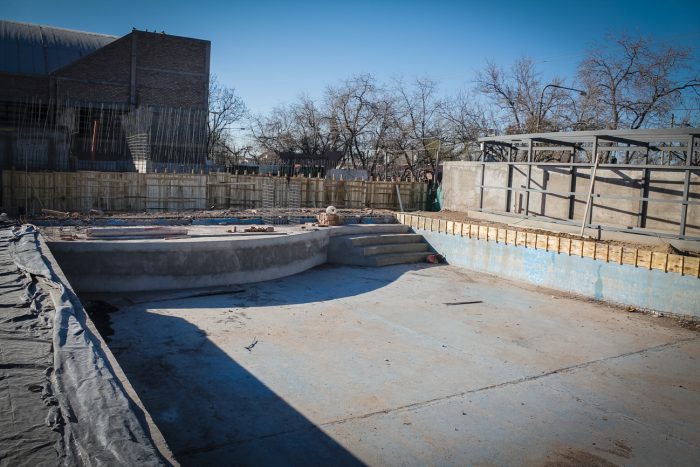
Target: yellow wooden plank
541, 241
601, 251
675, 264
658, 260
521, 238
691, 266
644, 259
491, 233
615, 253
565, 245
510, 236
588, 250
531, 240
502, 235
474, 231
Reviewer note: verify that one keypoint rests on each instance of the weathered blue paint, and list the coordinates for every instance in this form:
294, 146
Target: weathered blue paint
623, 284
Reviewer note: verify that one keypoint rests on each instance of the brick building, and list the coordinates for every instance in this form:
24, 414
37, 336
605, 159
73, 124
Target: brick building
71, 99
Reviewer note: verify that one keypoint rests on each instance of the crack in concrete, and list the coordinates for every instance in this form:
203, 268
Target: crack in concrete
431, 402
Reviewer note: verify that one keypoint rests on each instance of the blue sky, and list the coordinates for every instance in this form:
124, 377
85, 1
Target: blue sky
273, 51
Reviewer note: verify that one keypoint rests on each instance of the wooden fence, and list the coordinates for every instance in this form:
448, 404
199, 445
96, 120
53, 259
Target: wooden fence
130, 191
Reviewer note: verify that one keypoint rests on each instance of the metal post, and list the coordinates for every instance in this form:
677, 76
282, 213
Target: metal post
643, 204
588, 214
686, 185
572, 190
481, 186
529, 177
509, 191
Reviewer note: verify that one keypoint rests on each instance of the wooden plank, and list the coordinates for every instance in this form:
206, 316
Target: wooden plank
553, 243
601, 251
675, 264
658, 260
521, 238
491, 234
540, 241
511, 236
565, 246
644, 259
501, 235
531, 240
629, 256
588, 250
576, 247
691, 266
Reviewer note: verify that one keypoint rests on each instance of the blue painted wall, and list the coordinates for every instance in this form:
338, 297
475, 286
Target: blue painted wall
623, 284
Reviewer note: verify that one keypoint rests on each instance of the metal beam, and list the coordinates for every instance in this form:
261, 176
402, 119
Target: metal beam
618, 139
556, 142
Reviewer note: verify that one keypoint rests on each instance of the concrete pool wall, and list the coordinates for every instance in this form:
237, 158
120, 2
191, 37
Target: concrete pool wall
139, 266
648, 289
214, 260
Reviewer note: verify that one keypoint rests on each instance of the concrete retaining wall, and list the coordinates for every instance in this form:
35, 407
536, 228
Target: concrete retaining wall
622, 284
461, 192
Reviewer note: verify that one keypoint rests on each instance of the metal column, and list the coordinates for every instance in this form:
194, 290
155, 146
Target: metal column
588, 214
686, 185
529, 177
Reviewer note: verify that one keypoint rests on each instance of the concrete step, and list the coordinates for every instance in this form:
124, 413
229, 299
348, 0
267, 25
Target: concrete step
386, 239
394, 248
399, 258
356, 230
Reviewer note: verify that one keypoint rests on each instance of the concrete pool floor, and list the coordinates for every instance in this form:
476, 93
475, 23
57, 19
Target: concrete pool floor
400, 366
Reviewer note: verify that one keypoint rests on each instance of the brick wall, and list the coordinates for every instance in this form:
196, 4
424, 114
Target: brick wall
171, 71
20, 87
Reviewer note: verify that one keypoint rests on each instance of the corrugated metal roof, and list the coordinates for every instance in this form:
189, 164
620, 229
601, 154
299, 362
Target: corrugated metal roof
38, 50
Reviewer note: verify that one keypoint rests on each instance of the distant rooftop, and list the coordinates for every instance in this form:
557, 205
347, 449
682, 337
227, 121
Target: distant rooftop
34, 49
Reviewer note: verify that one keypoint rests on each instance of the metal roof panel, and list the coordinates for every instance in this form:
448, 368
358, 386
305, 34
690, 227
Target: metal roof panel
38, 50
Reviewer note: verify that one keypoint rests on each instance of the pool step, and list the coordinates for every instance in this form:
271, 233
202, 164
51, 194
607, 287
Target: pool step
380, 249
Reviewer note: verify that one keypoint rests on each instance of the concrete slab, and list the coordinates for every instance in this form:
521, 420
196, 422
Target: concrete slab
411, 364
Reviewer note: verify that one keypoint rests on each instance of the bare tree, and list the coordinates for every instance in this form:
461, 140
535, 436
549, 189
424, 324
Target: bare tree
525, 104
358, 115
226, 108
637, 82
419, 119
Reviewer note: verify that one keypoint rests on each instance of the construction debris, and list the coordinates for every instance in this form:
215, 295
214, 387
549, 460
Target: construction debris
262, 228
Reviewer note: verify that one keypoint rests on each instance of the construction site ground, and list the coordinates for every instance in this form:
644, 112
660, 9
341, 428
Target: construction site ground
408, 365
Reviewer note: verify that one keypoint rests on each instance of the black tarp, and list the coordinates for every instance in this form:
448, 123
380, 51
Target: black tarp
60, 402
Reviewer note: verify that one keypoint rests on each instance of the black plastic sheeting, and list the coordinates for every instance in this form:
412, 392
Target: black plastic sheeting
60, 402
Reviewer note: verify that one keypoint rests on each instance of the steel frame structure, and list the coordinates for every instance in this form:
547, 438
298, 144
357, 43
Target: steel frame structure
674, 140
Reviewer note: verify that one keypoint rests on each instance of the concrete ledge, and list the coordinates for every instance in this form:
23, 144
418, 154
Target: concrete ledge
622, 284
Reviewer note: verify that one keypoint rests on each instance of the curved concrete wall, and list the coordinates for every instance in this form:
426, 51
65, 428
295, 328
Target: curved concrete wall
147, 265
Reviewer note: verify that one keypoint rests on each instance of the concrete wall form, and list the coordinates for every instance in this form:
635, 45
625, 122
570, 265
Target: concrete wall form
559, 191
130, 191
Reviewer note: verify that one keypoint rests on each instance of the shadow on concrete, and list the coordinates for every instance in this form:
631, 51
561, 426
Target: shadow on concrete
322, 283
210, 409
